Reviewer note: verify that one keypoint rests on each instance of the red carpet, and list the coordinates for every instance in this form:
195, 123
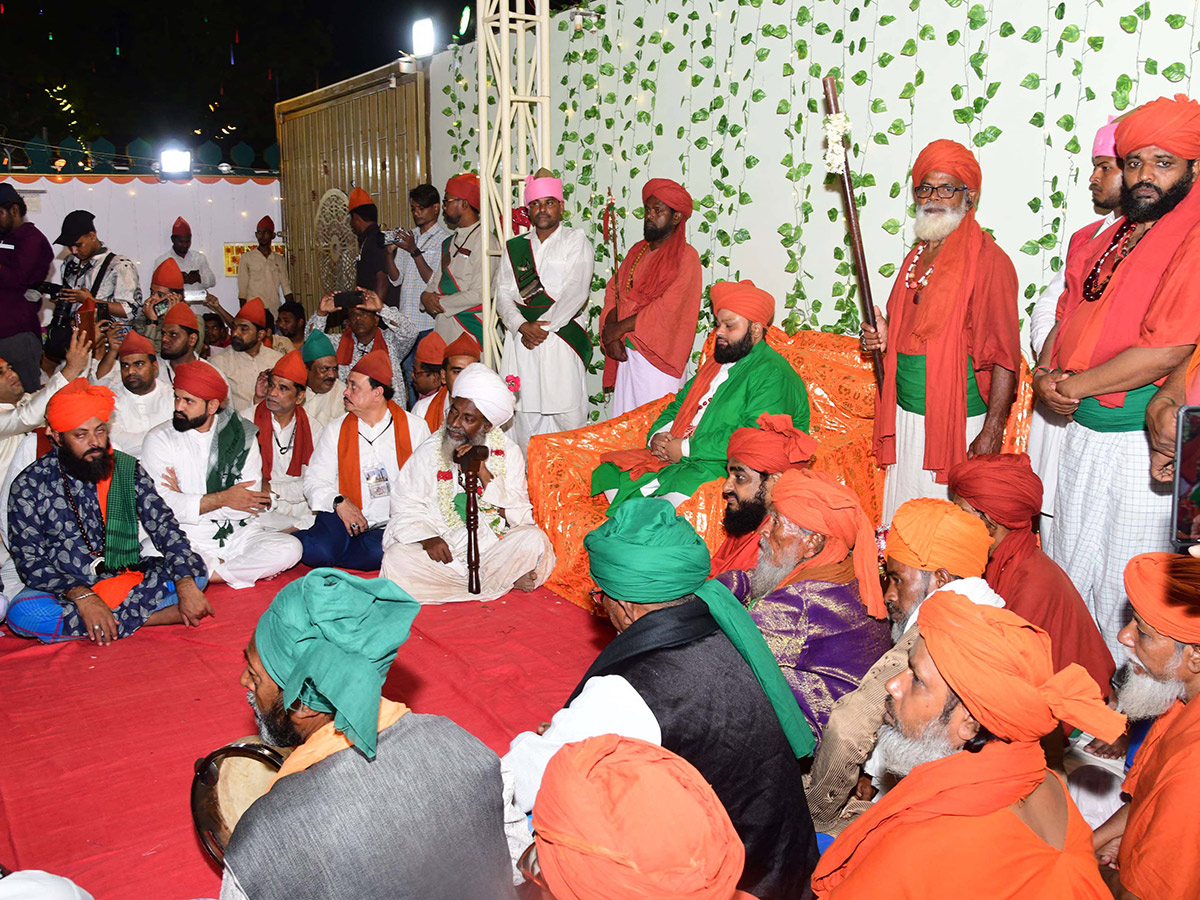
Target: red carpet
99, 742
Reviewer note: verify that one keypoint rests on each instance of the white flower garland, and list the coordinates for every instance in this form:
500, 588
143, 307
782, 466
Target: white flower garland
837, 126
448, 487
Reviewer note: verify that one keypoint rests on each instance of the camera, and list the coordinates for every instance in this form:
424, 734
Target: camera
49, 288
392, 236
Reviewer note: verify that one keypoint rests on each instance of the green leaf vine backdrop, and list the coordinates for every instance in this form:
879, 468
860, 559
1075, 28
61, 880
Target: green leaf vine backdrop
725, 97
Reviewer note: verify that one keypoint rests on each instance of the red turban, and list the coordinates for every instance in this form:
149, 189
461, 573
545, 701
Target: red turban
933, 534
375, 365
181, 228
670, 192
201, 380
952, 158
624, 819
74, 404
463, 187
464, 345
1002, 486
774, 446
744, 299
265, 224
181, 314
1173, 125
292, 367
359, 197
134, 344
431, 349
816, 502
1164, 588
1001, 667
254, 312
168, 275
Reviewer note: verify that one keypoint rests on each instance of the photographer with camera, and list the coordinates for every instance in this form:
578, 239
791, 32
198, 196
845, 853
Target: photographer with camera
25, 259
93, 272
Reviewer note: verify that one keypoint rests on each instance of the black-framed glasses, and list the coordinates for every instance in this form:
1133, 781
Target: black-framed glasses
944, 191
596, 594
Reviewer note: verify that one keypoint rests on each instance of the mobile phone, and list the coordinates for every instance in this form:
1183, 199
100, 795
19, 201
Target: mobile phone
347, 299
161, 307
1185, 498
194, 296
87, 323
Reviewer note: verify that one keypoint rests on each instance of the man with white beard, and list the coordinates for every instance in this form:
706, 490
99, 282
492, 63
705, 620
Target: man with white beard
951, 322
1153, 841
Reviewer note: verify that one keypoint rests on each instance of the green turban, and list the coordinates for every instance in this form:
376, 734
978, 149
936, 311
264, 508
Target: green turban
645, 553
328, 639
316, 346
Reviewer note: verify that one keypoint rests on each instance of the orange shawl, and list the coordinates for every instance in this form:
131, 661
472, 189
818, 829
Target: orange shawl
302, 449
436, 411
114, 589
345, 347
327, 740
736, 554
349, 469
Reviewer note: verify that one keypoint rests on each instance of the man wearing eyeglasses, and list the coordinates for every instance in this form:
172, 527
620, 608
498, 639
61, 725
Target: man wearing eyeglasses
951, 323
452, 295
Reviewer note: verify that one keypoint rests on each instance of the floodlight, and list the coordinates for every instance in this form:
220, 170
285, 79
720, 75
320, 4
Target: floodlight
175, 162
464, 21
422, 37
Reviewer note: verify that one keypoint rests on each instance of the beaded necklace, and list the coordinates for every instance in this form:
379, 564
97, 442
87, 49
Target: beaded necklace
637, 259
1093, 291
920, 282
97, 562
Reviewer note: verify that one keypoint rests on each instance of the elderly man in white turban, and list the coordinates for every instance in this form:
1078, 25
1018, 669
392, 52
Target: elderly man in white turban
425, 544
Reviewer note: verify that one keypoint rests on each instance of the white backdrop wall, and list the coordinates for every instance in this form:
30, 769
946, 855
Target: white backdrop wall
134, 218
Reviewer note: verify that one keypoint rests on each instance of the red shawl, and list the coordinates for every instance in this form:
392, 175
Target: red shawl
345, 348
302, 448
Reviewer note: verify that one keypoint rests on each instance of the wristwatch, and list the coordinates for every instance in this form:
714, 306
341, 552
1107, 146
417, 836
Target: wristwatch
336, 500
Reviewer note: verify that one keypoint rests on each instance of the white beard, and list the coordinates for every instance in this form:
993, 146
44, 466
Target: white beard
937, 226
901, 754
767, 574
1142, 696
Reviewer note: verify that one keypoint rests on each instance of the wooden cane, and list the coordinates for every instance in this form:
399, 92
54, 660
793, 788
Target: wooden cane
856, 241
470, 463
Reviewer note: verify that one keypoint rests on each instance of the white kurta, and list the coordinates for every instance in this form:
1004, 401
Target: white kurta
287, 491
136, 414
23, 416
194, 261
552, 375
252, 551
241, 371
417, 515
465, 265
166, 373
376, 449
324, 408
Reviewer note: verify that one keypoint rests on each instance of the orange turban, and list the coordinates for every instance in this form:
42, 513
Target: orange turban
1002, 486
74, 404
181, 228
624, 819
431, 349
201, 380
254, 312
134, 344
774, 446
1173, 125
744, 299
292, 367
463, 187
464, 345
952, 158
1000, 665
266, 223
181, 314
672, 193
816, 502
358, 197
1164, 588
935, 534
168, 275
377, 365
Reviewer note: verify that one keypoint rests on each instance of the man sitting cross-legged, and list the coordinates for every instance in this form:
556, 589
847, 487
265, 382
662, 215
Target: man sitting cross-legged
756, 458
206, 464
286, 437
73, 519
426, 541
976, 804
377, 802
744, 378
815, 592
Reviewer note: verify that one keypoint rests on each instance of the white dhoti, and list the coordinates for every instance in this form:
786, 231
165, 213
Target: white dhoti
251, 553
1108, 510
526, 425
639, 381
907, 479
1046, 431
521, 550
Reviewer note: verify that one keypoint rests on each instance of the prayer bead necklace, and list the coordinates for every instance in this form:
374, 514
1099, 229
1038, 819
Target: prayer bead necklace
97, 557
920, 282
1093, 291
637, 259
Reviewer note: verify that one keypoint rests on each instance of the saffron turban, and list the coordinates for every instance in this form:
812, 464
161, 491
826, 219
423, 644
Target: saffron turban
952, 158
201, 380
292, 367
431, 349
316, 346
168, 275
487, 391
358, 197
744, 299
539, 186
623, 818
774, 446
1001, 667
464, 345
1164, 588
816, 502
265, 224
1002, 486
463, 187
134, 344
645, 553
254, 312
181, 314
375, 364
1105, 143
670, 192
181, 228
329, 638
74, 404
1173, 125
935, 534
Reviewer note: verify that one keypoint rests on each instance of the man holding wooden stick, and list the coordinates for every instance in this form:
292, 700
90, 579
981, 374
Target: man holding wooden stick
953, 315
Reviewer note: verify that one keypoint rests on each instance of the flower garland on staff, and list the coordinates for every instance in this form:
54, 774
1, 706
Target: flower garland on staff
450, 487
